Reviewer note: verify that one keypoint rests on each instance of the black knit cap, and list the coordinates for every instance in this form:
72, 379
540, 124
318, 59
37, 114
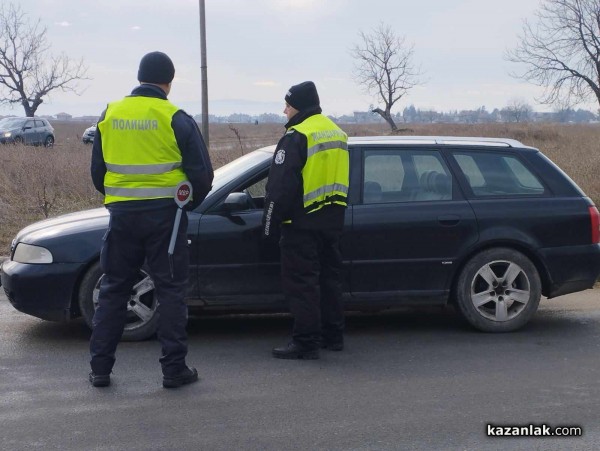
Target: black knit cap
156, 67
303, 96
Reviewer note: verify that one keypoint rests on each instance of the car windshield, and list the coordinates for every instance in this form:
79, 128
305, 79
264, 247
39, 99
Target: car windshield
232, 170
9, 122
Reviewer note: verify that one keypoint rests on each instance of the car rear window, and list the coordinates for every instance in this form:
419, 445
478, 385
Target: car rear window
498, 174
405, 176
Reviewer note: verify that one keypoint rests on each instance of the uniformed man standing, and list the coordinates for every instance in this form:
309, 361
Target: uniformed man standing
143, 148
305, 201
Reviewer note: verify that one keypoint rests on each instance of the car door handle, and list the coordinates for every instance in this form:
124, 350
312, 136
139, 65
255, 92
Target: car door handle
449, 220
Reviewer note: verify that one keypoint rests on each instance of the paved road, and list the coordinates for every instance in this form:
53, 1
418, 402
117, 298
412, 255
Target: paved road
408, 380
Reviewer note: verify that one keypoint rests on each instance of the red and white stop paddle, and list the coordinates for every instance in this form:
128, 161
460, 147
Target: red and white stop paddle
183, 194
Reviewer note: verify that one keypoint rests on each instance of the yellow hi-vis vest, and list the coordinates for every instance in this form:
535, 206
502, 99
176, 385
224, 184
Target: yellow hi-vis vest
140, 150
326, 172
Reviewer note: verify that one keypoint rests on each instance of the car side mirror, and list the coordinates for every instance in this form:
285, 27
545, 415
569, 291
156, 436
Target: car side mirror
27, 128
236, 202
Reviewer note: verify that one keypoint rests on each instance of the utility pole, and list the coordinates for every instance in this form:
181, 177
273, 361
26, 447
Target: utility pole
203, 71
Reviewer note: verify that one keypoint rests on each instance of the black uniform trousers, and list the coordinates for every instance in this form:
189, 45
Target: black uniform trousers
132, 239
311, 267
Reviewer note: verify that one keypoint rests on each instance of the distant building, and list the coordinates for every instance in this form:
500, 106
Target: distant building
362, 117
64, 117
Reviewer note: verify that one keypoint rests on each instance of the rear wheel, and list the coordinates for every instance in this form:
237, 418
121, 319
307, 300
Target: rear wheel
49, 142
498, 290
142, 315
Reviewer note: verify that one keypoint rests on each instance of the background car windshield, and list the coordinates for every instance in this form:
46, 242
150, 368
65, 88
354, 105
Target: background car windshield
11, 122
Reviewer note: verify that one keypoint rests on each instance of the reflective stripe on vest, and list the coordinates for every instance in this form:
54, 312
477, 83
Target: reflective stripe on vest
140, 150
336, 187
145, 193
142, 168
326, 172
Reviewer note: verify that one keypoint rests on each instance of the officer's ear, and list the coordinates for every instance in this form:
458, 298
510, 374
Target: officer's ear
168, 86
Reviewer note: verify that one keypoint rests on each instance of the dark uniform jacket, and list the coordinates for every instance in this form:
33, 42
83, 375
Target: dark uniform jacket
195, 159
285, 192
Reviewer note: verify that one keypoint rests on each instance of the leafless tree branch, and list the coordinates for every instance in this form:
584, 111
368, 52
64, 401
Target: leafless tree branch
28, 73
562, 51
384, 66
517, 110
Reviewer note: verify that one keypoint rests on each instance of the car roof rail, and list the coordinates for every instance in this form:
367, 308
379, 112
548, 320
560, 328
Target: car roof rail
444, 140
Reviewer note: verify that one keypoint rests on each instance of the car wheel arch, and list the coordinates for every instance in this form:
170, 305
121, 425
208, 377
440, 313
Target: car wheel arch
87, 285
472, 278
521, 247
74, 307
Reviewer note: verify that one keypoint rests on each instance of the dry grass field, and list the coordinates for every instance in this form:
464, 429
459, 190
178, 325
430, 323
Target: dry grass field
36, 183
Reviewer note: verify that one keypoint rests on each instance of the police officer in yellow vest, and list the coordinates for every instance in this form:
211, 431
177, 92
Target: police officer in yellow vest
305, 205
143, 148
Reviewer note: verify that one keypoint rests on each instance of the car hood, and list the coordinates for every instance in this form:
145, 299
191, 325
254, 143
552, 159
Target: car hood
69, 224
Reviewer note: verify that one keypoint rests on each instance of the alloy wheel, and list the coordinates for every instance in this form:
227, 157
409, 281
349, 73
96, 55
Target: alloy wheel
500, 290
142, 304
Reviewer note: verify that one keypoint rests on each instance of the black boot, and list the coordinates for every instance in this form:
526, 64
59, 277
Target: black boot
187, 376
99, 380
294, 350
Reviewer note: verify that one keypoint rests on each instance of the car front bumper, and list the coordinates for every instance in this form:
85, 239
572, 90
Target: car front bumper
43, 291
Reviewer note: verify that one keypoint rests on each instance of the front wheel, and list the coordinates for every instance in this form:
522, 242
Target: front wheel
142, 315
498, 290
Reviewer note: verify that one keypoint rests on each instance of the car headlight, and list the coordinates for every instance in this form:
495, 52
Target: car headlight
27, 253
8, 134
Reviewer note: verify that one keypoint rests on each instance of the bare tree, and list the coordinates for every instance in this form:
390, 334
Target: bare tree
238, 136
28, 73
517, 110
384, 66
563, 110
562, 51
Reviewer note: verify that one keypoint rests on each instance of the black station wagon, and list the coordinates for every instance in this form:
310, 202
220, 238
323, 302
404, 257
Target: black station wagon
489, 225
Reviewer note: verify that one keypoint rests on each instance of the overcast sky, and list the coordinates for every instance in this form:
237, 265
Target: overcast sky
258, 48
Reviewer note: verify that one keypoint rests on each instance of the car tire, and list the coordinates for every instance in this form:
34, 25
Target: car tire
18, 140
498, 290
49, 141
142, 314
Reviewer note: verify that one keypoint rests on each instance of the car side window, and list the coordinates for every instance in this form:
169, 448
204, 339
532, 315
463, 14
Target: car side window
28, 124
258, 190
405, 176
39, 124
255, 191
498, 174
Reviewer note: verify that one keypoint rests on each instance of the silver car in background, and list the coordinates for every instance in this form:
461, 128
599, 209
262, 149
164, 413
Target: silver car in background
26, 130
88, 135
